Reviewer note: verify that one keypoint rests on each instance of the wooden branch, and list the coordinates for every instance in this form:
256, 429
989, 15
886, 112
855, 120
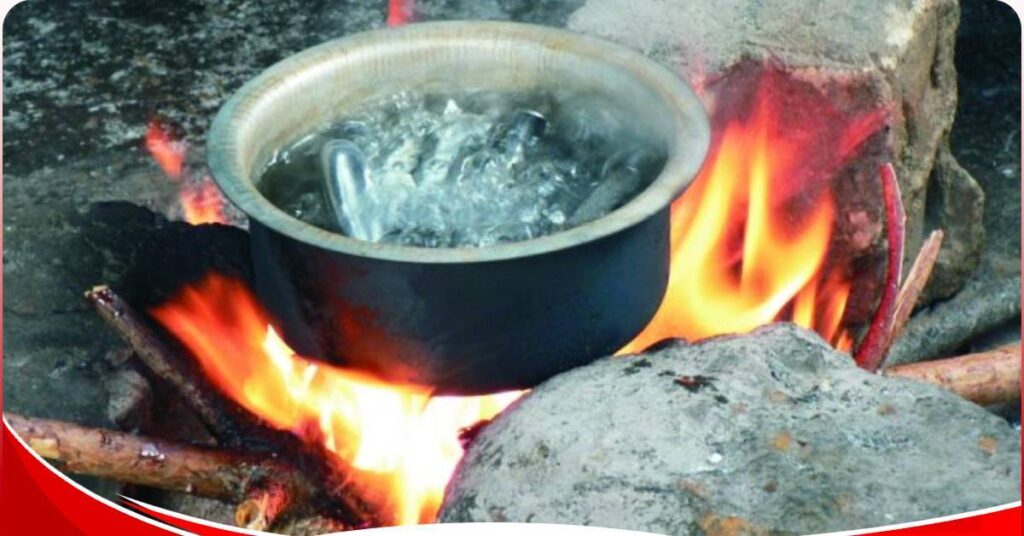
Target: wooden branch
124, 457
984, 378
916, 280
872, 348
231, 425
165, 363
264, 486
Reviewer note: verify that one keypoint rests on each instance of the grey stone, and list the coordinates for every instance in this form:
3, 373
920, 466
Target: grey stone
956, 205
59, 244
986, 303
129, 397
767, 432
986, 141
54, 345
861, 54
53, 366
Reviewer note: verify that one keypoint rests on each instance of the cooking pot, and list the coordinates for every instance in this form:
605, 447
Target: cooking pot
460, 320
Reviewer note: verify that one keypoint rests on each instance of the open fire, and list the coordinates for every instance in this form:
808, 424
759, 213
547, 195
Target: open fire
199, 198
750, 241
750, 236
403, 442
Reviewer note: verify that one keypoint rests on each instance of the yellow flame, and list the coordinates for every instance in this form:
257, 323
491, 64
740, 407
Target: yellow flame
739, 257
403, 442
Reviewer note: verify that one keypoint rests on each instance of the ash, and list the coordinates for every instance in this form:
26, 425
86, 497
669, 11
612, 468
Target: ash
469, 170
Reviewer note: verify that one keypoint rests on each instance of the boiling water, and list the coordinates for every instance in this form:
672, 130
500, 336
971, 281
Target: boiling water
469, 170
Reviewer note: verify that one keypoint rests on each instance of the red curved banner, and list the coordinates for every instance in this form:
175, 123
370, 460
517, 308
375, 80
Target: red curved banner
35, 498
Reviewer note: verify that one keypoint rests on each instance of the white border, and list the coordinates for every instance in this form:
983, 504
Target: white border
469, 528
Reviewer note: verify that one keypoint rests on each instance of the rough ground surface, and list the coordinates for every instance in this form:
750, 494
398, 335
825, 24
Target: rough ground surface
86, 76
861, 54
772, 431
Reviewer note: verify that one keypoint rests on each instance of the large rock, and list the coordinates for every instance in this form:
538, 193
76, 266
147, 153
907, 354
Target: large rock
771, 431
896, 54
986, 141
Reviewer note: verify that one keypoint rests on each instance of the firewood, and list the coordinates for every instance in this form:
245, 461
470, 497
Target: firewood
984, 378
166, 363
267, 489
232, 426
124, 457
917, 279
228, 423
872, 348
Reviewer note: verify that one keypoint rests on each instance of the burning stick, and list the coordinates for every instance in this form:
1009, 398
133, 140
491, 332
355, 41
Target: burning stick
265, 488
984, 378
917, 278
165, 363
872, 349
216, 474
231, 426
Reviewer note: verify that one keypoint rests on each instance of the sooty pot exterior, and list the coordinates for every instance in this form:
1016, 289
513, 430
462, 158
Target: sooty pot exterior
465, 328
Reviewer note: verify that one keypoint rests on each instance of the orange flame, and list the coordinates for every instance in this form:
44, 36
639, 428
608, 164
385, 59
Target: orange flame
403, 441
168, 152
749, 240
200, 200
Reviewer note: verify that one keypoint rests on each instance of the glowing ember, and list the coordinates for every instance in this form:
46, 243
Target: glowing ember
404, 442
199, 198
750, 235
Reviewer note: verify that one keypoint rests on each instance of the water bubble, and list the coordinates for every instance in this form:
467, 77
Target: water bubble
451, 108
472, 169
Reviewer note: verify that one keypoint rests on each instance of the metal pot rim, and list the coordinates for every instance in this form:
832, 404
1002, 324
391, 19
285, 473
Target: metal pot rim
683, 163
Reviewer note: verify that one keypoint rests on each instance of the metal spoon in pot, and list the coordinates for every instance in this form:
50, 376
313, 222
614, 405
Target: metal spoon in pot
346, 185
